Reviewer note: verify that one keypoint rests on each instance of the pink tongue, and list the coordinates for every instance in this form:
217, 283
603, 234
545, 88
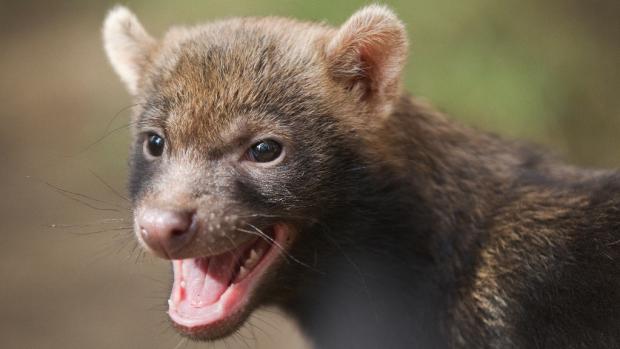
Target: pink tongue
208, 279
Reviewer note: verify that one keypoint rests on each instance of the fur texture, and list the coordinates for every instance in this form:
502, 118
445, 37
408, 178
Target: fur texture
413, 231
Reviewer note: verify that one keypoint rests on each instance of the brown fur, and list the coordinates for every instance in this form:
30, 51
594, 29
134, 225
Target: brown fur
512, 240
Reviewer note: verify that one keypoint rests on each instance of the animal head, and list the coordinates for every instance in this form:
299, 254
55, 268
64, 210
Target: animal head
248, 132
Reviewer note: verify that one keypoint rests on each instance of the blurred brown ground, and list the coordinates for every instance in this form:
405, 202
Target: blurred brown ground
547, 72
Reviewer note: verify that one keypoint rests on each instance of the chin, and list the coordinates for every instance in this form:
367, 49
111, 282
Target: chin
212, 296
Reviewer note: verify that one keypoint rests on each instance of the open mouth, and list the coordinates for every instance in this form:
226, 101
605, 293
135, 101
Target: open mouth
209, 292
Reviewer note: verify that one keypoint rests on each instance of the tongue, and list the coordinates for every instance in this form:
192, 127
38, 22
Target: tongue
208, 278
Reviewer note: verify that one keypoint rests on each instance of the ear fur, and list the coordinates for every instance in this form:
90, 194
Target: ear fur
127, 45
368, 53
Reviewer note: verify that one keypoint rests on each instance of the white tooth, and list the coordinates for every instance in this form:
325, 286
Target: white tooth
183, 284
242, 273
251, 260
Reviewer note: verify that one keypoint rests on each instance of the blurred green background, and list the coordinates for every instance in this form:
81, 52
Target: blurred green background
545, 71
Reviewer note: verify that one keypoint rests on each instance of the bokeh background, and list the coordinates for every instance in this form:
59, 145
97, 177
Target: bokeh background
70, 275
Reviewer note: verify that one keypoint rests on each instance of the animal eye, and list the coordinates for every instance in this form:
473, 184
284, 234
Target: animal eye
264, 151
154, 145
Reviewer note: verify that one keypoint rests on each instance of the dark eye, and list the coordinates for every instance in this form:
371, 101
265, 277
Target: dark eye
154, 145
265, 151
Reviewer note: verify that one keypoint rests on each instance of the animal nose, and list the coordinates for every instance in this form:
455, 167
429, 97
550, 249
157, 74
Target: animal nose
165, 231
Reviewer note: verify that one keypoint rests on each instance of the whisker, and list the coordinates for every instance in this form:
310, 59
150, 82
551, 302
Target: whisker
245, 338
100, 231
107, 128
66, 191
132, 251
107, 249
67, 194
232, 242
181, 343
272, 241
101, 139
260, 318
253, 326
310, 219
85, 225
114, 191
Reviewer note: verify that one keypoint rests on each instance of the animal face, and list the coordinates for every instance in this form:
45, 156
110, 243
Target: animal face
247, 133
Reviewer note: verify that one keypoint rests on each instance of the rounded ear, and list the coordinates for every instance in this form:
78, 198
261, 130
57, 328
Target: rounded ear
368, 53
127, 45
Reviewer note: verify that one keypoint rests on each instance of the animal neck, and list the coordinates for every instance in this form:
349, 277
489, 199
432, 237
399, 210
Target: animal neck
382, 265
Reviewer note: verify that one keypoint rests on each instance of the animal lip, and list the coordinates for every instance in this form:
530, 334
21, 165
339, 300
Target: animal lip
208, 291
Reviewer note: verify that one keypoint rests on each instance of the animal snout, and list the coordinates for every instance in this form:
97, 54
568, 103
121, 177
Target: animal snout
165, 231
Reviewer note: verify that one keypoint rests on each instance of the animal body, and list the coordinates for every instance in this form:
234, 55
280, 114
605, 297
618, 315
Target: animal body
279, 162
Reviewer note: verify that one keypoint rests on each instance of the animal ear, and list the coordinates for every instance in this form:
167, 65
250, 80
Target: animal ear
127, 45
368, 53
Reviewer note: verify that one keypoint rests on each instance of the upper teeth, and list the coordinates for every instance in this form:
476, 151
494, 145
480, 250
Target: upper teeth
243, 271
249, 263
252, 259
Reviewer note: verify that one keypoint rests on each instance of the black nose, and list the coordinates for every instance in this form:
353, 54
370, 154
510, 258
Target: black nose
165, 231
